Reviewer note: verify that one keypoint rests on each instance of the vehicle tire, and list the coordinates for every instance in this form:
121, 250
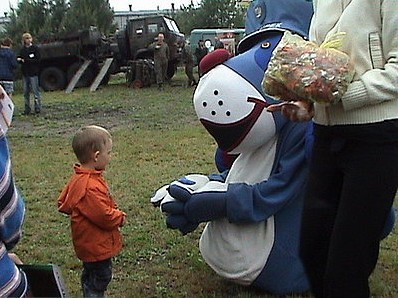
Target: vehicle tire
52, 78
86, 79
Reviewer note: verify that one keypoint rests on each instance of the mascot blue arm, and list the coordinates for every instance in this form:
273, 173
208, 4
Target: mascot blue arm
254, 203
241, 202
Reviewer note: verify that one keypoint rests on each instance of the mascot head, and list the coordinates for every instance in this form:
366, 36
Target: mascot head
229, 99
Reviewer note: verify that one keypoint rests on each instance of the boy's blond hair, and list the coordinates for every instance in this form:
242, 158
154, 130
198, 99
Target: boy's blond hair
88, 140
26, 35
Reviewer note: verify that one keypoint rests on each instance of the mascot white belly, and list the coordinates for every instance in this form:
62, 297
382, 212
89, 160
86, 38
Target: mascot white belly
237, 252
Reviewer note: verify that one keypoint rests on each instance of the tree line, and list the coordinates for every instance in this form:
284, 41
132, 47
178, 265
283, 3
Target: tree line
45, 19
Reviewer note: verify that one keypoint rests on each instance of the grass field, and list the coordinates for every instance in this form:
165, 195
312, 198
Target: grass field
157, 138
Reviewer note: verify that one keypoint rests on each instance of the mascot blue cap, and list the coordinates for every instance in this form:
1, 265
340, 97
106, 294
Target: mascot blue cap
268, 15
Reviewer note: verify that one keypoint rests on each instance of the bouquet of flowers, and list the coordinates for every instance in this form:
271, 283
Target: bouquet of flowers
302, 70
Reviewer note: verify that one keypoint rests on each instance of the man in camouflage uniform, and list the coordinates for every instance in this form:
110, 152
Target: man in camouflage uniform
161, 59
188, 61
200, 52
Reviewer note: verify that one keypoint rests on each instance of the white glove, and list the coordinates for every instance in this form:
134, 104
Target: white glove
189, 182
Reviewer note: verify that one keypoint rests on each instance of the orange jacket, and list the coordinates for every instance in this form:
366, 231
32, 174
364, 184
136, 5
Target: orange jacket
95, 218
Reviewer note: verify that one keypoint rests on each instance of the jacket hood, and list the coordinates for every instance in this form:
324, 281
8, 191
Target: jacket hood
275, 15
75, 190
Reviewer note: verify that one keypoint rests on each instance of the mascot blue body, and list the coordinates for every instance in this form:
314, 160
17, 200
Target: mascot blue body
253, 210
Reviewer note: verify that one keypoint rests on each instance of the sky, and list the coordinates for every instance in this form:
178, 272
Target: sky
118, 5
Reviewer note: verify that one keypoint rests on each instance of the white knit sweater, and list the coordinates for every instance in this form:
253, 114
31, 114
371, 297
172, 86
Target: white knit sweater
371, 28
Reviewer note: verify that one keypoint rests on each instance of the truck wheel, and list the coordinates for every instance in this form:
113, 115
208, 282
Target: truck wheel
86, 79
52, 78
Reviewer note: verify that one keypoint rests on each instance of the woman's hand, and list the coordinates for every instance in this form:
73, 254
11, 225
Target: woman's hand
298, 111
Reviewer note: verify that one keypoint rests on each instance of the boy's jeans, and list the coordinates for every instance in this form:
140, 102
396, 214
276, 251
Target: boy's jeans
95, 278
31, 84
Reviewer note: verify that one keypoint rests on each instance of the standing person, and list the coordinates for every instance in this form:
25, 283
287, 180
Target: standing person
13, 281
95, 217
200, 52
29, 57
354, 167
188, 61
8, 64
218, 44
161, 58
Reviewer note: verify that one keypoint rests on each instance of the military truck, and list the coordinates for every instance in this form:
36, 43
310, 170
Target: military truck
85, 57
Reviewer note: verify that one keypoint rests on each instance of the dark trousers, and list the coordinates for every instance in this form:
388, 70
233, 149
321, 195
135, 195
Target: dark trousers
352, 184
31, 84
96, 277
189, 72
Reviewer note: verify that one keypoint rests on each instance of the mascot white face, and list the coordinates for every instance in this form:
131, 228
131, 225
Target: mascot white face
233, 111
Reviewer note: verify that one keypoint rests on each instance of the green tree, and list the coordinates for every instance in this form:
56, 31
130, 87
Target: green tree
85, 13
211, 14
44, 19
29, 16
186, 17
56, 11
221, 14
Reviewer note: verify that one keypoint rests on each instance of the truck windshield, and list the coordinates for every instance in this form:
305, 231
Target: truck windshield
171, 24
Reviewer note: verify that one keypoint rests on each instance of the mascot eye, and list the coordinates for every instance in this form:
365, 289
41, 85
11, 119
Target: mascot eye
265, 45
258, 11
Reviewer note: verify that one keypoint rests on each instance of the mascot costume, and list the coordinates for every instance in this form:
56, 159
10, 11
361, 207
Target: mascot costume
253, 209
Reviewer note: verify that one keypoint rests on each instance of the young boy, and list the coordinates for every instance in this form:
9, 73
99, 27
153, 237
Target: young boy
29, 58
95, 218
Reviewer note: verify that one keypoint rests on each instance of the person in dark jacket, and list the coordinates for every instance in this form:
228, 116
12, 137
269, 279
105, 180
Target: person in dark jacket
218, 44
200, 52
8, 64
188, 62
29, 57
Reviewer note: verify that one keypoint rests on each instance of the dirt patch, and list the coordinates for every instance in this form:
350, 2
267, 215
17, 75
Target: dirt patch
65, 119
